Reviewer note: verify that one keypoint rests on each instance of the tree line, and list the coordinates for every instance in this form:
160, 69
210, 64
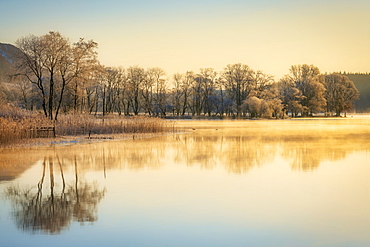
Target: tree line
54, 75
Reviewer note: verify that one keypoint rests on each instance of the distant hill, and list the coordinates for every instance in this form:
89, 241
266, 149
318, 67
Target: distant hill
7, 58
362, 82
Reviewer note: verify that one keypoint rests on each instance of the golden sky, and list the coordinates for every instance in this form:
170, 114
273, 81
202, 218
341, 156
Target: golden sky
177, 36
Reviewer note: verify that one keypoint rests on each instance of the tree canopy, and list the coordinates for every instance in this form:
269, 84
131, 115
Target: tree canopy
54, 75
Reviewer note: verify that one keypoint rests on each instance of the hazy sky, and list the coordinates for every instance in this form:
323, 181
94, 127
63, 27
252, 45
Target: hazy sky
267, 35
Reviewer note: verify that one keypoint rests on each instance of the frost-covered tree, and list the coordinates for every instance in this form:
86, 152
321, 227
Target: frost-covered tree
306, 78
340, 94
51, 62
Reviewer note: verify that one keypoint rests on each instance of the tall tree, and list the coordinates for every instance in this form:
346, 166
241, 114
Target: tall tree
340, 94
83, 68
112, 83
177, 93
30, 64
56, 49
148, 91
208, 77
290, 96
51, 63
155, 75
307, 81
136, 76
262, 82
197, 95
188, 80
238, 81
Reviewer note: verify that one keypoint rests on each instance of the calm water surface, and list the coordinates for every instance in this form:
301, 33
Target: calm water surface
222, 183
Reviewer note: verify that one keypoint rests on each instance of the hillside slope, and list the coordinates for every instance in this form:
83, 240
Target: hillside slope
7, 58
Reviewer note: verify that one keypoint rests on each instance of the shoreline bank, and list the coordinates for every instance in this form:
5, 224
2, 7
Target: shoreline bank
76, 140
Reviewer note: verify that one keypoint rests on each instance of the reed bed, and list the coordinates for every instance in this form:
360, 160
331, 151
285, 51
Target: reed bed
16, 125
10, 130
87, 124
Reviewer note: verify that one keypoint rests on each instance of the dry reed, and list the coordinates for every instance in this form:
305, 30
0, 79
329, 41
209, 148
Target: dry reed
87, 124
17, 125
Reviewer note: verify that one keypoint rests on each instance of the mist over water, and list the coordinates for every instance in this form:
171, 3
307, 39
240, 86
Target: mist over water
217, 183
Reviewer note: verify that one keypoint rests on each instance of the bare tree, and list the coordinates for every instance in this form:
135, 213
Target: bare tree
208, 77
306, 80
30, 64
51, 63
238, 79
160, 90
136, 76
148, 91
290, 96
340, 94
186, 86
55, 54
83, 68
177, 92
262, 82
196, 95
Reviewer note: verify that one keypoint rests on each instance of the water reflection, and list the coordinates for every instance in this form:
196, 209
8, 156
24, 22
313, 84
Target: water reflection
14, 162
308, 154
41, 208
184, 186
237, 153
237, 149
241, 145
241, 152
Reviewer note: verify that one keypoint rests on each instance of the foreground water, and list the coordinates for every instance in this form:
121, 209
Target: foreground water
221, 183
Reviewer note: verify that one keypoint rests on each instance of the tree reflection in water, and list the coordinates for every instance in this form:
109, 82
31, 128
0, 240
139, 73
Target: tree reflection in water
241, 150
58, 199
38, 209
237, 146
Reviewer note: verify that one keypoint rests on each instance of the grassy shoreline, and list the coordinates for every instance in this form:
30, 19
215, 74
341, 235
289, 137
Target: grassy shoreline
17, 128
21, 128
75, 140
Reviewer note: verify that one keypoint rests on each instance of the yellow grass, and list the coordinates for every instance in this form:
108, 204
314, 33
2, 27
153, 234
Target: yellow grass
17, 125
87, 124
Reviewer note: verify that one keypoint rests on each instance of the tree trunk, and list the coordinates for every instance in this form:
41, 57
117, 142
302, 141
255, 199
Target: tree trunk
61, 98
51, 95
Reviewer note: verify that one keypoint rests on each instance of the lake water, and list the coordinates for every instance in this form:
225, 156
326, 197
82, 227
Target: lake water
218, 183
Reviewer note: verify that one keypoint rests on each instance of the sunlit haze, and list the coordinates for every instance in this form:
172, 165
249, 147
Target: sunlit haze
187, 35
